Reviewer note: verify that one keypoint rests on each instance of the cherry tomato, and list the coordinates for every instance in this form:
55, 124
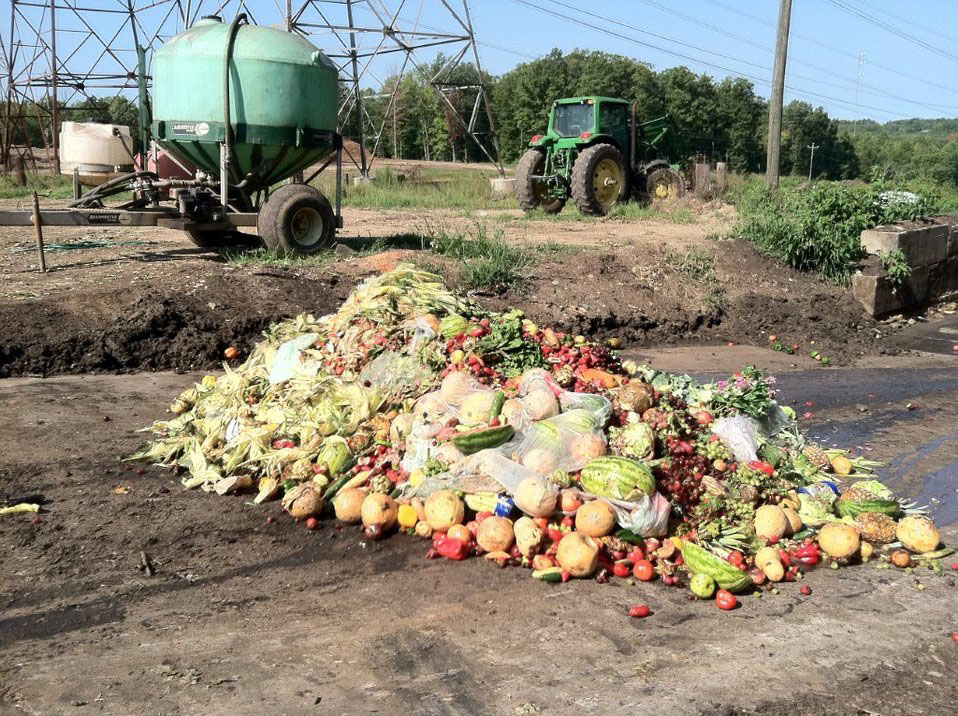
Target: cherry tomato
622, 569
724, 599
640, 611
644, 571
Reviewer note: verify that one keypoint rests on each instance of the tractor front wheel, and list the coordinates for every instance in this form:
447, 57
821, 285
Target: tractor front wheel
664, 183
599, 179
532, 194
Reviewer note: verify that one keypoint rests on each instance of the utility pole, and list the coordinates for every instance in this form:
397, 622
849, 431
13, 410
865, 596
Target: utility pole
811, 159
778, 94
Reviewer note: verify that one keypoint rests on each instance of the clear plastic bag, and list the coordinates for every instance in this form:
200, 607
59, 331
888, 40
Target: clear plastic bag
566, 442
740, 435
647, 517
394, 373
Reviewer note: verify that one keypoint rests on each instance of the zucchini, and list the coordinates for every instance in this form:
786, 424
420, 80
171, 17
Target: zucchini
550, 574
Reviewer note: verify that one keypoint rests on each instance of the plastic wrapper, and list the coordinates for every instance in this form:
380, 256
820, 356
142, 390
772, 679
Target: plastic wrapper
288, 361
740, 435
646, 517
395, 373
566, 442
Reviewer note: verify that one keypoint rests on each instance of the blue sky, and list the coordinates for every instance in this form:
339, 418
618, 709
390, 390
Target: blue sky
909, 72
901, 78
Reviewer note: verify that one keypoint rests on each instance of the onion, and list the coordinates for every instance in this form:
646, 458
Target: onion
379, 509
536, 496
443, 510
349, 505
303, 501
495, 534
578, 554
596, 519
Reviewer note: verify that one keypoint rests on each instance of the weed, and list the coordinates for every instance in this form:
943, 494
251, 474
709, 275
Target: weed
819, 228
46, 185
896, 266
554, 247
681, 215
715, 299
697, 265
266, 257
486, 262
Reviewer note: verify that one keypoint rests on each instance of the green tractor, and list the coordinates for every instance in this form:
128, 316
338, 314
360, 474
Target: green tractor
597, 153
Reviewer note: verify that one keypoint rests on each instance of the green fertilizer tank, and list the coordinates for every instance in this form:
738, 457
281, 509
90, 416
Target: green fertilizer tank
283, 97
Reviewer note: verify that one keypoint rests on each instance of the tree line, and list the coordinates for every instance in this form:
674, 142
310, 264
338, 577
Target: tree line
720, 120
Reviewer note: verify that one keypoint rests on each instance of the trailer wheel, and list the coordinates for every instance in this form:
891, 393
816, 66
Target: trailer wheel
215, 239
665, 183
531, 194
599, 179
297, 220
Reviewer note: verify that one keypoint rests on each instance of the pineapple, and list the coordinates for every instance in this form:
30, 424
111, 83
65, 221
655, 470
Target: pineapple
818, 457
382, 484
876, 527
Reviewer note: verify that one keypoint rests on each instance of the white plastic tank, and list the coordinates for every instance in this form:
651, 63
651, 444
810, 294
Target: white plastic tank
99, 152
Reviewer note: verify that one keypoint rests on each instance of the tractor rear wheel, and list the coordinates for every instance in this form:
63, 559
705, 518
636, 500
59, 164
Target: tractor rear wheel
297, 220
664, 183
531, 194
599, 179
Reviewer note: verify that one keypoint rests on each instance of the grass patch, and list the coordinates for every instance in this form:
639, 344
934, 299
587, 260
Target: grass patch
53, 186
453, 189
629, 211
715, 299
486, 262
694, 263
266, 257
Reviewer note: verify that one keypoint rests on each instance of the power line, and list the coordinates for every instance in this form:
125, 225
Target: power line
891, 29
628, 38
900, 19
837, 51
876, 91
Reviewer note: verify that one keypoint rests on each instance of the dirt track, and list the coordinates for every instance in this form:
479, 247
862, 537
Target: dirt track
244, 615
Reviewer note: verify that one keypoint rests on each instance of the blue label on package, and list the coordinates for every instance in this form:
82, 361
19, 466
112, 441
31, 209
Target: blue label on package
504, 506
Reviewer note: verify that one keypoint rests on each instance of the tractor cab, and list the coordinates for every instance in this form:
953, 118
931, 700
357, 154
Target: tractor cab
596, 153
585, 119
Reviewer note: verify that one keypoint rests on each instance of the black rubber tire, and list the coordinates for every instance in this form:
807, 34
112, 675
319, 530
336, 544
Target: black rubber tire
292, 210
583, 172
533, 162
218, 239
665, 176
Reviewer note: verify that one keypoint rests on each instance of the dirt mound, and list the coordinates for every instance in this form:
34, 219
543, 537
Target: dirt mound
183, 320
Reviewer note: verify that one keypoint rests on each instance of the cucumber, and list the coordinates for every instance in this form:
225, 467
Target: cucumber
550, 574
483, 439
497, 402
337, 485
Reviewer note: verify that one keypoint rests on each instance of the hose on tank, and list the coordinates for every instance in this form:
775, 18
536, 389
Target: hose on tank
240, 19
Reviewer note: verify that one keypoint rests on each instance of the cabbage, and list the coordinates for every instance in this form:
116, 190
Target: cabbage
815, 511
876, 488
635, 440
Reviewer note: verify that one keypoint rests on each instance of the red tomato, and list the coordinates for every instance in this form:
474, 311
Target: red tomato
736, 558
622, 568
636, 555
644, 571
639, 611
724, 599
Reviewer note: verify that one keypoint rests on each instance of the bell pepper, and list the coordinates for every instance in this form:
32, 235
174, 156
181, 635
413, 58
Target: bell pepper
452, 548
763, 466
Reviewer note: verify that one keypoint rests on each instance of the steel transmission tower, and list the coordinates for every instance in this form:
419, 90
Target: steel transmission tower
61, 52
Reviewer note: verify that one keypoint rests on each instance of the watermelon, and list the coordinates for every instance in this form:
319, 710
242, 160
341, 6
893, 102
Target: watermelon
618, 478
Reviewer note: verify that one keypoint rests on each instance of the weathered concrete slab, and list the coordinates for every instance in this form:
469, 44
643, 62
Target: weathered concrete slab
877, 294
921, 247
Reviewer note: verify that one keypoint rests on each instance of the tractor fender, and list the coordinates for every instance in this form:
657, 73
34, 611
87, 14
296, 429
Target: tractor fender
655, 164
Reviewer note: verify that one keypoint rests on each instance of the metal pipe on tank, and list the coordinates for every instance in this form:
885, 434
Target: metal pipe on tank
226, 149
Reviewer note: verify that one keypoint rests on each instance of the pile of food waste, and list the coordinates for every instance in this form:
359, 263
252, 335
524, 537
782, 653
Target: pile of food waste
414, 410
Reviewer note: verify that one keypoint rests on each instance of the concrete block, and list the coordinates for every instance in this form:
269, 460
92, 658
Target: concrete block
502, 186
921, 247
878, 297
362, 181
953, 240
943, 278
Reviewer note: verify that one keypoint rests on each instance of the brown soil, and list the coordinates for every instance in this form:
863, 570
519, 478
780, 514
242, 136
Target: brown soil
151, 301
248, 612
